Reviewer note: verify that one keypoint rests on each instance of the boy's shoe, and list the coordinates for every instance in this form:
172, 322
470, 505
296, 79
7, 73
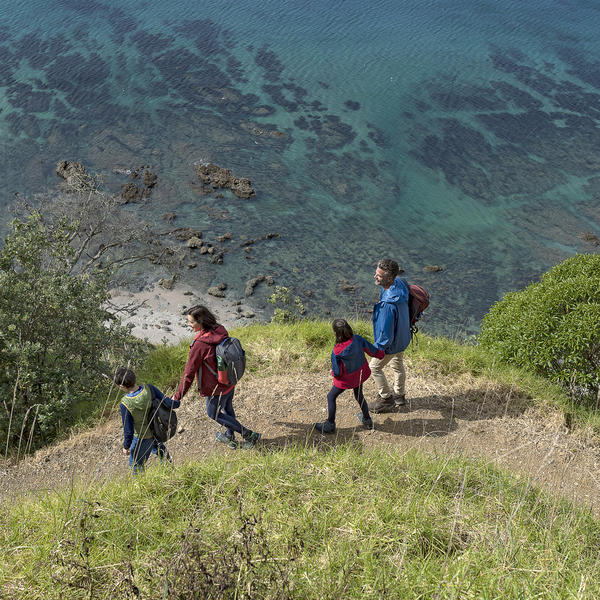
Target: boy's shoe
250, 440
325, 427
383, 405
399, 399
226, 439
367, 423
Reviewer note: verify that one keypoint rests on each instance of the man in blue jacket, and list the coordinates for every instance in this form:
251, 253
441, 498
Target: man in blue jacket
391, 332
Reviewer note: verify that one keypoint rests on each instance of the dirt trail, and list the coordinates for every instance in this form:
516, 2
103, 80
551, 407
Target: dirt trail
446, 415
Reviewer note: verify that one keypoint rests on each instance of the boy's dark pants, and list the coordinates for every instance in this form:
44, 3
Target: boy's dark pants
141, 450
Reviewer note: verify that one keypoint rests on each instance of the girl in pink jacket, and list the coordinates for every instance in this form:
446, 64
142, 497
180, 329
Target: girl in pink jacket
350, 370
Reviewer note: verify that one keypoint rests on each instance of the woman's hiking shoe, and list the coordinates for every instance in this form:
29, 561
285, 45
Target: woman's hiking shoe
250, 440
367, 423
226, 439
383, 405
325, 427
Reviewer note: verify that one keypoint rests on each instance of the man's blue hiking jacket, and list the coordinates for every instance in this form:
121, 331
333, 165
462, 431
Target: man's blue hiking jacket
391, 328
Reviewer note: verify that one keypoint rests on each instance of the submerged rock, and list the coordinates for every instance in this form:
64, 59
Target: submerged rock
218, 177
150, 179
194, 242
186, 233
74, 174
252, 283
131, 193
216, 292
588, 236
168, 284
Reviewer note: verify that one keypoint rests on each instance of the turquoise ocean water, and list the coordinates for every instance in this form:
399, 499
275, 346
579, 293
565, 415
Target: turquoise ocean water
462, 134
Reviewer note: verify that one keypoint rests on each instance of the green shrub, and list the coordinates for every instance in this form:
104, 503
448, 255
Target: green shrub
288, 308
552, 327
56, 337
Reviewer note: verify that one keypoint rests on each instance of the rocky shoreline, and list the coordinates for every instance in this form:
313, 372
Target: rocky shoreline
158, 315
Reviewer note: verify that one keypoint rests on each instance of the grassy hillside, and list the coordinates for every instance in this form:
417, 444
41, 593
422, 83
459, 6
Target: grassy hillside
309, 520
303, 523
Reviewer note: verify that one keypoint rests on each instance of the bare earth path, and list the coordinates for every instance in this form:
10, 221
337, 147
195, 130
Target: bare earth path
446, 415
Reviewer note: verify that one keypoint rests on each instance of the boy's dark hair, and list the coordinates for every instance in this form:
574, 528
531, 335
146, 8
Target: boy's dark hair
125, 377
202, 315
343, 331
389, 266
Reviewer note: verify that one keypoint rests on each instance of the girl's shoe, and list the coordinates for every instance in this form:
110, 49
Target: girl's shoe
367, 423
226, 439
325, 427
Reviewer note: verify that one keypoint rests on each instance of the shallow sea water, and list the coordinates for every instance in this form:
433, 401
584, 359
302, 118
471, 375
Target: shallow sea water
464, 136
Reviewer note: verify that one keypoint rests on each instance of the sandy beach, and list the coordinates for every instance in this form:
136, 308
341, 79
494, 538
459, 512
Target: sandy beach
159, 313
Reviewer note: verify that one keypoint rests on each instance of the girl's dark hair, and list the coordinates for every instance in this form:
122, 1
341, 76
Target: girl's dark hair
202, 315
343, 331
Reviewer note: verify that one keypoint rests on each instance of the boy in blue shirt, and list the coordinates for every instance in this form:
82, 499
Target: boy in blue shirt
138, 441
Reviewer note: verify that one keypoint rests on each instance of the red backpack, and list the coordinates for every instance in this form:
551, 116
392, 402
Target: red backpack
418, 301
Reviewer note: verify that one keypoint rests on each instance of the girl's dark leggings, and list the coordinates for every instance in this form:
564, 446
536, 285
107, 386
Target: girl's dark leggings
334, 392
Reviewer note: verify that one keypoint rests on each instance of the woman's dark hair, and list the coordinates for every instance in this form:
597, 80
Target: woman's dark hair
202, 315
125, 377
343, 331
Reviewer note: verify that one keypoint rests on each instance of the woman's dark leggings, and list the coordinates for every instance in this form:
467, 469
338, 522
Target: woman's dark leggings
220, 408
334, 392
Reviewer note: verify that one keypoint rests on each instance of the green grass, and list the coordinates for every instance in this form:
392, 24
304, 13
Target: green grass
302, 523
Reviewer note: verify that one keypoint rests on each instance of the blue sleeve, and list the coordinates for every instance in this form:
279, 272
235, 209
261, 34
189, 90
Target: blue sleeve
370, 348
336, 370
385, 330
127, 426
168, 402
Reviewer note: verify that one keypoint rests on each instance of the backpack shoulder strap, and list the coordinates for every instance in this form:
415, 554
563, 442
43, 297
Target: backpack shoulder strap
209, 368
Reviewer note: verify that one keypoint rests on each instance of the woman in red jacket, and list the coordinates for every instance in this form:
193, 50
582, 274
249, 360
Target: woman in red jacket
202, 363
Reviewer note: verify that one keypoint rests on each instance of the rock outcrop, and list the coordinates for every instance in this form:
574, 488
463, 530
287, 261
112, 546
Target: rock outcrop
75, 175
218, 177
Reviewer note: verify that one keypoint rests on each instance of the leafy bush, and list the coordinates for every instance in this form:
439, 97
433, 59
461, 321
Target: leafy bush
288, 308
56, 337
552, 327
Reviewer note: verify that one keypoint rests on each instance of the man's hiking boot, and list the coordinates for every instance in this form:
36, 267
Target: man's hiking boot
367, 423
226, 439
383, 405
325, 427
250, 440
400, 399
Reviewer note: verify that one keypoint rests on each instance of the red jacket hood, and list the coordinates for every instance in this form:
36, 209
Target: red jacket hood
216, 336
338, 348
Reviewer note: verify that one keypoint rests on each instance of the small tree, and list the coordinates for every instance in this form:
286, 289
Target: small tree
552, 327
56, 337
288, 308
